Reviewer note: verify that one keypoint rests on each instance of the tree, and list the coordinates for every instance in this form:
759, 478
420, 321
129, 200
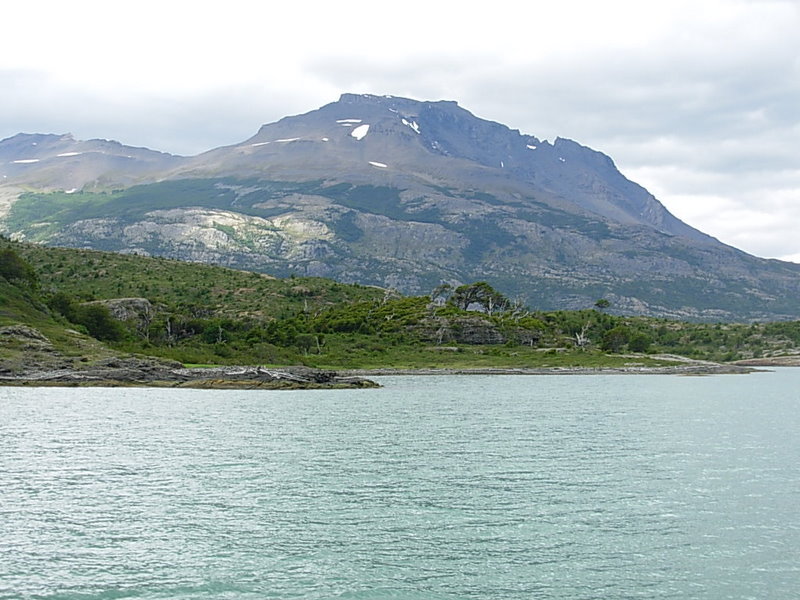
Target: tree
145, 320
518, 309
441, 293
602, 304
63, 304
581, 337
615, 339
305, 341
496, 302
12, 267
98, 322
639, 342
480, 293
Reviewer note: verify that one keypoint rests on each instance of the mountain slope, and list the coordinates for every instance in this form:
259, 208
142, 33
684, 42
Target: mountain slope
406, 194
440, 143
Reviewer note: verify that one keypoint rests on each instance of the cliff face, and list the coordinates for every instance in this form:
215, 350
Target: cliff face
398, 193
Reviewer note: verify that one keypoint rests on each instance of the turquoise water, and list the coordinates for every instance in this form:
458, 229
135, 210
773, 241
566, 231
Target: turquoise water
496, 487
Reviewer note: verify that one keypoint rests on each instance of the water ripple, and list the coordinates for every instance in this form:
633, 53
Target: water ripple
436, 488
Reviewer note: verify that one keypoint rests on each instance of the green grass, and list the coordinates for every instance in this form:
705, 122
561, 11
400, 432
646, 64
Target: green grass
361, 351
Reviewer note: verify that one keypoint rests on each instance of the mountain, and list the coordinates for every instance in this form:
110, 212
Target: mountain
396, 193
60, 162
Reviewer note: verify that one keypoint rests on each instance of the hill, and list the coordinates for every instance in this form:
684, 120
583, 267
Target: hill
399, 194
196, 313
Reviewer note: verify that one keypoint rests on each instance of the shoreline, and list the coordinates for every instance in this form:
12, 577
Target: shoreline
138, 372
691, 369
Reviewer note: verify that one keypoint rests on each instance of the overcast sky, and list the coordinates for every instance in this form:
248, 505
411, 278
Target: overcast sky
697, 100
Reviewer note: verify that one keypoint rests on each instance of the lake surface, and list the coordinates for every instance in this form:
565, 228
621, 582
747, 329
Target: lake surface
473, 487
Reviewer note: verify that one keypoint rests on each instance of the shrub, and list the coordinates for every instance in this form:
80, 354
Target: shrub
615, 339
12, 267
639, 342
98, 322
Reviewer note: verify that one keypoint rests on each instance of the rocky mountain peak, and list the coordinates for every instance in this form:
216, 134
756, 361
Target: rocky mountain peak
441, 141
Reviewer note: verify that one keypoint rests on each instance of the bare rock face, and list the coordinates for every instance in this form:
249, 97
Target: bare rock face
128, 309
33, 345
23, 333
28, 350
474, 330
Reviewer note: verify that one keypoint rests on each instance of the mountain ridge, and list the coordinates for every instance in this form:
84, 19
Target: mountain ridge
391, 116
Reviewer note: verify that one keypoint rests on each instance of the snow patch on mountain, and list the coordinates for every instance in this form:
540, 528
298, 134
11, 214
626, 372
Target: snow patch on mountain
412, 124
360, 132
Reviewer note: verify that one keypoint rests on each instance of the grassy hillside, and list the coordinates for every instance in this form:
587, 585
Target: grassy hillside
32, 336
210, 290
202, 314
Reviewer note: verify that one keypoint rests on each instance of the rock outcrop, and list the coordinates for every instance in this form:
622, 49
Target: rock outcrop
43, 365
135, 371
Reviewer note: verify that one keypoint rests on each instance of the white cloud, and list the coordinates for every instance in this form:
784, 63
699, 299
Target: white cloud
795, 258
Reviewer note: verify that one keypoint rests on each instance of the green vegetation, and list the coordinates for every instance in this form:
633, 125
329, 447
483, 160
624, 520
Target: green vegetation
22, 308
202, 314
602, 304
16, 270
52, 211
95, 318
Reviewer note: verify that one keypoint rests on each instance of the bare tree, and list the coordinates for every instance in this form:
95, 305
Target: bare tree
441, 293
144, 322
390, 294
170, 331
581, 339
517, 309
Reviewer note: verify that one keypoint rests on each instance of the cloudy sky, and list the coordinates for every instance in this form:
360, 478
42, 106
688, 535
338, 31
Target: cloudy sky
697, 100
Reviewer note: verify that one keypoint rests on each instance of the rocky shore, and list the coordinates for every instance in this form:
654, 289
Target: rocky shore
775, 361
142, 372
137, 372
